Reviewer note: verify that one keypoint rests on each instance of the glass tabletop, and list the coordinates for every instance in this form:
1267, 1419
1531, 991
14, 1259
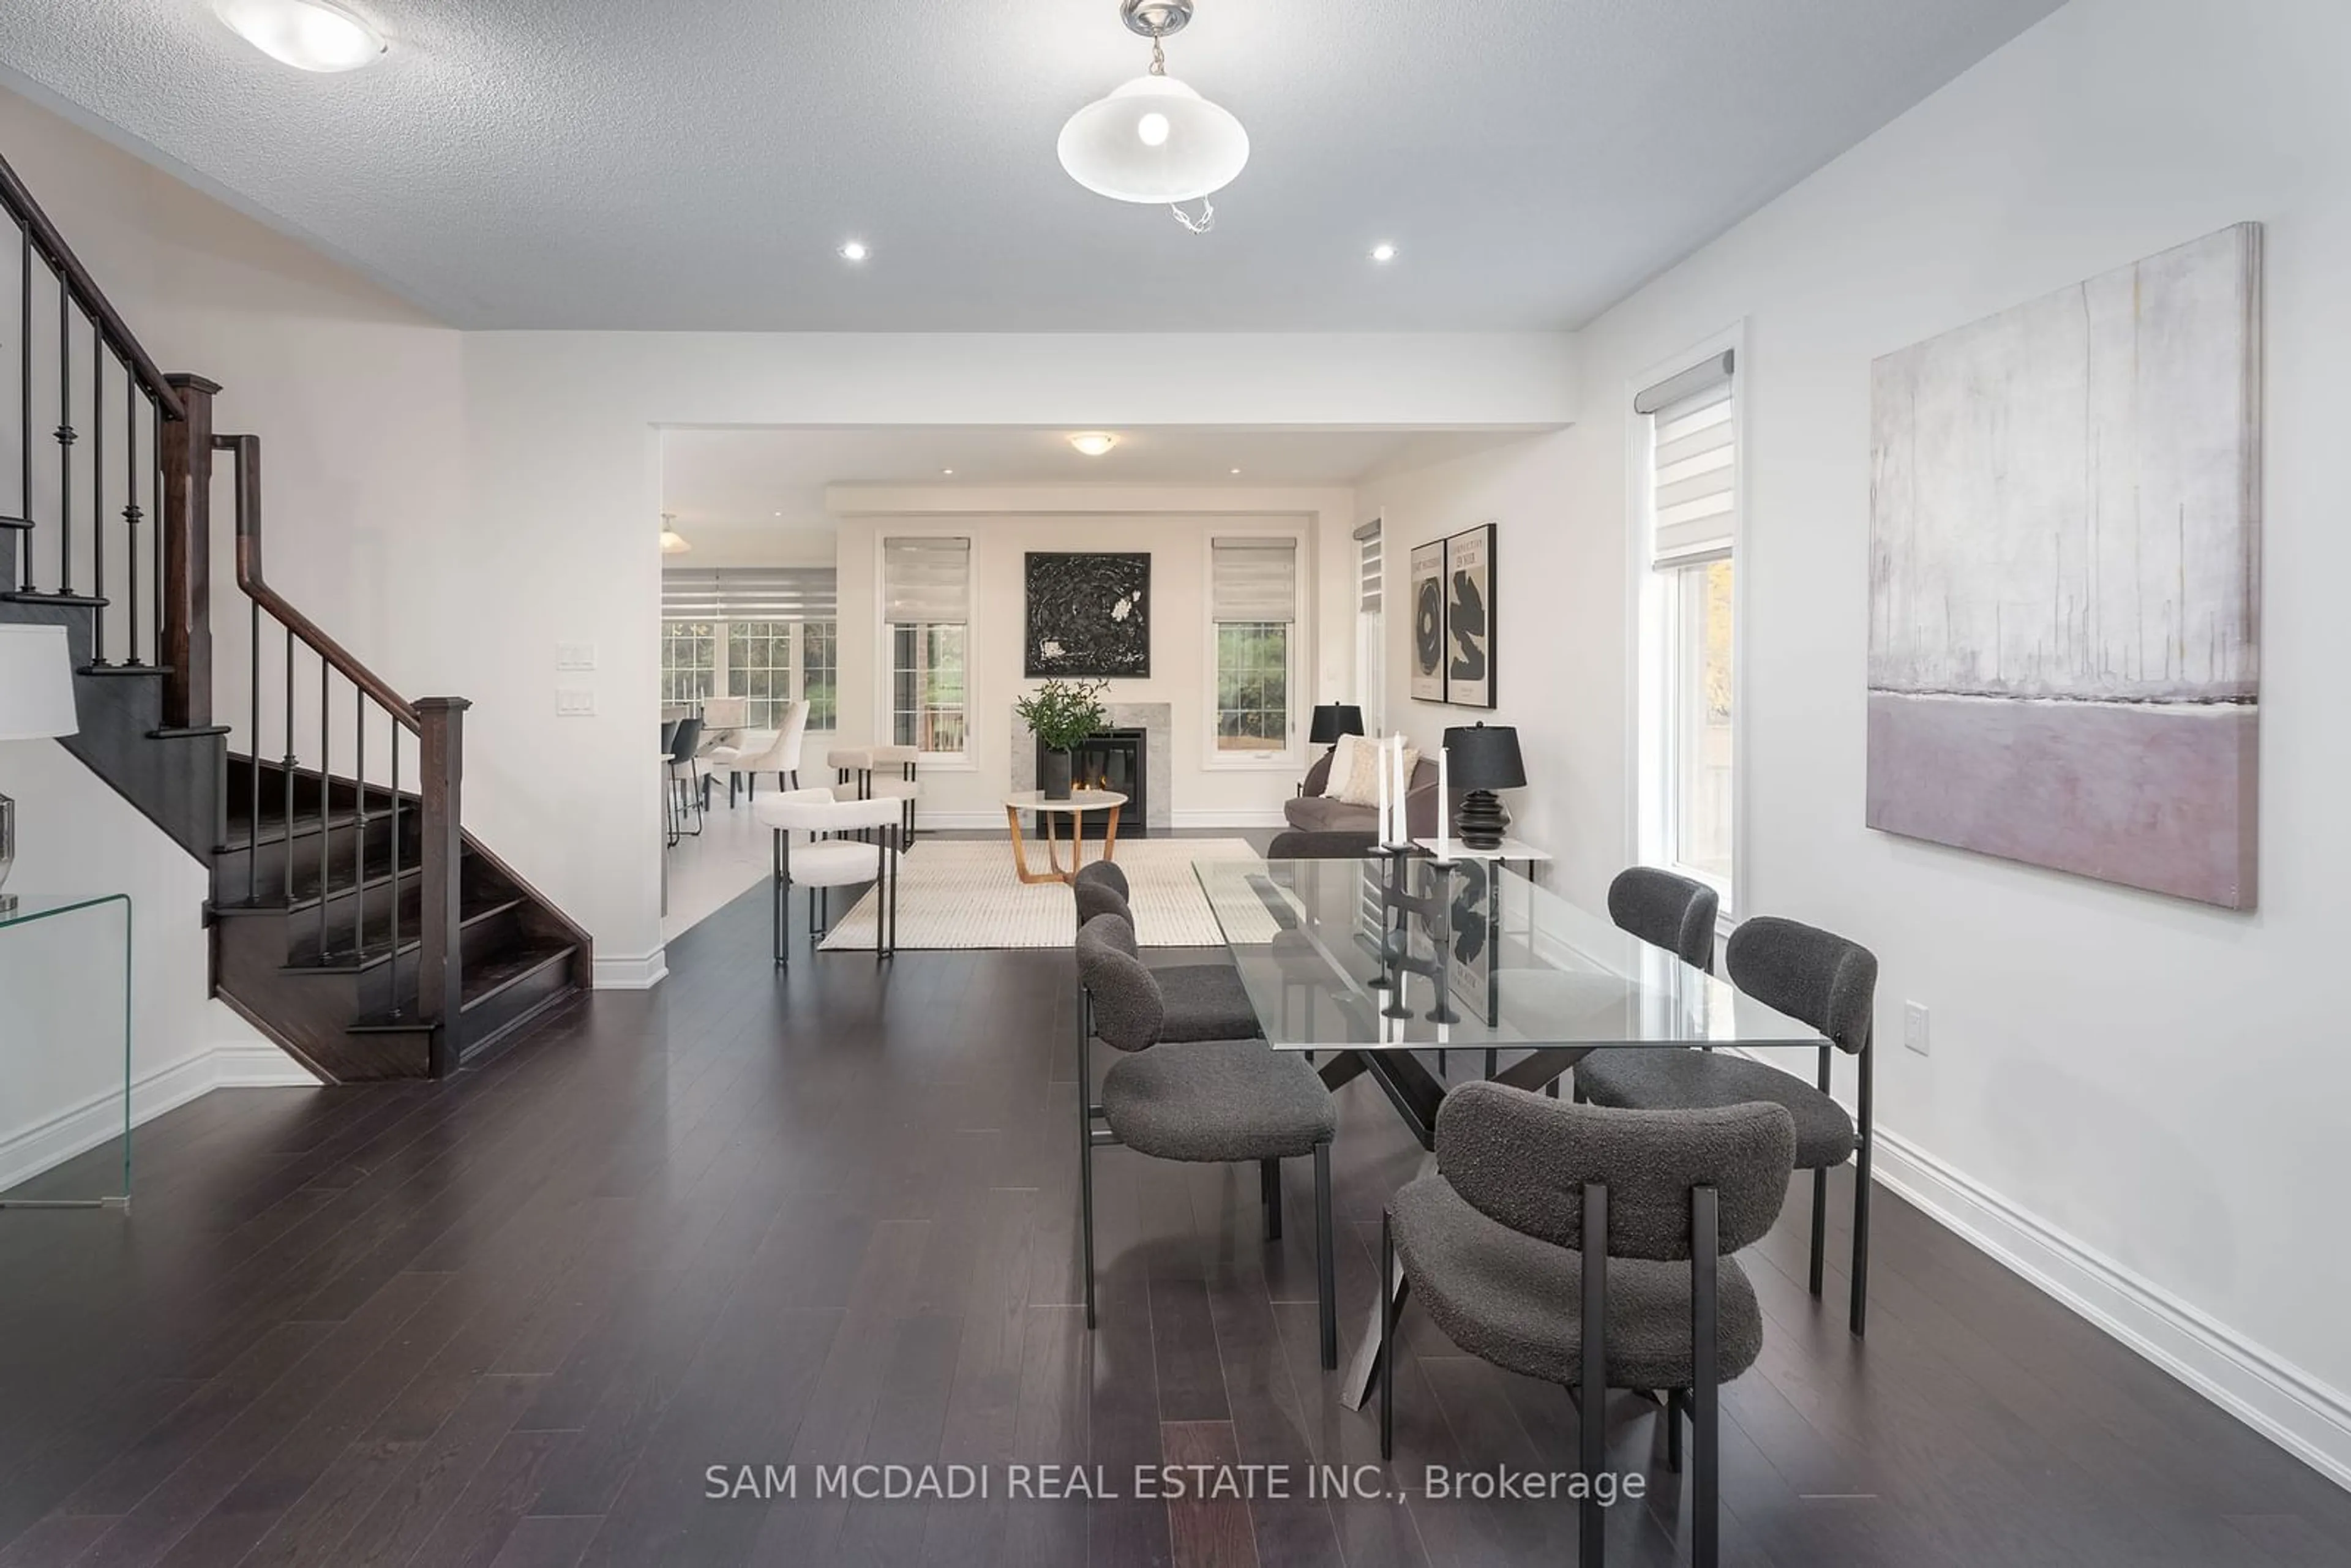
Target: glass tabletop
23, 909
1407, 954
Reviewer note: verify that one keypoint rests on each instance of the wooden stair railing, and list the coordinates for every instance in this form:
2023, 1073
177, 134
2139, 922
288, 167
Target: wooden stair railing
375, 777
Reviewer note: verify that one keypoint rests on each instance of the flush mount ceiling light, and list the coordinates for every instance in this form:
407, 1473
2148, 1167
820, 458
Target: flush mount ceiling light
673, 542
1093, 443
854, 250
1153, 139
309, 35
1384, 252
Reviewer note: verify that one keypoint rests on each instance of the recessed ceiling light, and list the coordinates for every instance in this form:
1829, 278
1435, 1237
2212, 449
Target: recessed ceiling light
854, 250
1093, 443
1236, 471
946, 470
1383, 251
309, 35
780, 514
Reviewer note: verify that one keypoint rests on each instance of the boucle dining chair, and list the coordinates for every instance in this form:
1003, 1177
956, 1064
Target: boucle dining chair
1202, 1102
1203, 1001
849, 842
1590, 1248
758, 751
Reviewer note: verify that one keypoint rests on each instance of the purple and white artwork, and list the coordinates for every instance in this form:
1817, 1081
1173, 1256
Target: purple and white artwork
2065, 570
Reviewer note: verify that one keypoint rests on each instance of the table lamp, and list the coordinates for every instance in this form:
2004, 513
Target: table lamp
1484, 759
1333, 720
36, 703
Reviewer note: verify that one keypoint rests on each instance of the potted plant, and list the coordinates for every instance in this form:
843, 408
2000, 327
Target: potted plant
1060, 714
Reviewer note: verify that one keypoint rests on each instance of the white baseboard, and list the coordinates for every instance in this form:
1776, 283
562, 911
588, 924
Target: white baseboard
52, 1141
641, 973
2276, 1399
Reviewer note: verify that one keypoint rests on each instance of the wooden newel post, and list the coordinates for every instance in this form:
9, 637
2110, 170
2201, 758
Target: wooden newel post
440, 970
186, 588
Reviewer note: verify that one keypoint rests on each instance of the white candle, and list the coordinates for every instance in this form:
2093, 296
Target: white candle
1403, 817
1444, 808
1383, 755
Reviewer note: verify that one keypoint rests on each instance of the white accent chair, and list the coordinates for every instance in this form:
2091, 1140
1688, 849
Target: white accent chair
855, 766
848, 842
776, 751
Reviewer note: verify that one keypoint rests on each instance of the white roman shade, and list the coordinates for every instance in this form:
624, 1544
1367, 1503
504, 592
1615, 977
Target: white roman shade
1253, 580
1694, 464
749, 593
1368, 567
927, 581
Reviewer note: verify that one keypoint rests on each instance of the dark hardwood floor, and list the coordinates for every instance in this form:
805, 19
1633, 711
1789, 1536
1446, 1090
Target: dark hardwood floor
752, 1219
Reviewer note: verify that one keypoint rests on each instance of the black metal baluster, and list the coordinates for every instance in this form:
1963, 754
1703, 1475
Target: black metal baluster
326, 757
155, 562
359, 844
65, 440
395, 865
97, 490
253, 744
24, 416
131, 513
288, 872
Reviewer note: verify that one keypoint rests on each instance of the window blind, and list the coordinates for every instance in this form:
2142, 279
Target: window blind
1693, 464
1253, 580
926, 580
749, 593
1368, 567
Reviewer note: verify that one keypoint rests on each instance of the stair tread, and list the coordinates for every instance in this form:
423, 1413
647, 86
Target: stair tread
272, 826
482, 982
69, 601
122, 670
341, 960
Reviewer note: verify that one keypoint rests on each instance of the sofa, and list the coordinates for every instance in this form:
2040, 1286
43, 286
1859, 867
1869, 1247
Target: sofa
1313, 811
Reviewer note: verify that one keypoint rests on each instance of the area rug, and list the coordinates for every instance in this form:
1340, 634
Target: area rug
962, 893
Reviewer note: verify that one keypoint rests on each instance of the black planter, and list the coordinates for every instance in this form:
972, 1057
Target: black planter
1053, 775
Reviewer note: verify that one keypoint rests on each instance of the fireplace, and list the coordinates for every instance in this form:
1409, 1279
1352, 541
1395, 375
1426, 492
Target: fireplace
1110, 760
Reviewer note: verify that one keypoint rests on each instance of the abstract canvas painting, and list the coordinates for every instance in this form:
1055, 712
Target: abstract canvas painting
1469, 618
2064, 568
1089, 614
1429, 622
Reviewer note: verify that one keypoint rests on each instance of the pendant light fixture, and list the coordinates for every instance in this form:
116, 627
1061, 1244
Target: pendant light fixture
673, 543
1154, 138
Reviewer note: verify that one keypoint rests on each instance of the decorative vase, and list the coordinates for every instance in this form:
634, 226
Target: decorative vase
1055, 780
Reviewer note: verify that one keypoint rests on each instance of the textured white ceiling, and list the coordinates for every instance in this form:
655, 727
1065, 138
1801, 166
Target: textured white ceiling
692, 163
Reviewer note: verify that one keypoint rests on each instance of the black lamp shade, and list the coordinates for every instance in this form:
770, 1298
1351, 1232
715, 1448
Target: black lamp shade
1484, 756
1333, 720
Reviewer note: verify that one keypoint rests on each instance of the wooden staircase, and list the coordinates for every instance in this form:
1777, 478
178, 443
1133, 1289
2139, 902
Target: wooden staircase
353, 920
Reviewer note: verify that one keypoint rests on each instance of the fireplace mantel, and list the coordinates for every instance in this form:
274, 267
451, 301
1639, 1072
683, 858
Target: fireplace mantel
1157, 720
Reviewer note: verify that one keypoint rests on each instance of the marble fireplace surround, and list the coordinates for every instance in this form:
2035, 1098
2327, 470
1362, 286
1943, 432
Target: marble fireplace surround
1157, 720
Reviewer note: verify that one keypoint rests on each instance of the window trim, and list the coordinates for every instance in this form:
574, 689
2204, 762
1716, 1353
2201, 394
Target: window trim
1371, 636
885, 666
1650, 781
1291, 759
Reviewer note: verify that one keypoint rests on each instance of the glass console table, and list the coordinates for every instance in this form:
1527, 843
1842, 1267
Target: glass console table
56, 1050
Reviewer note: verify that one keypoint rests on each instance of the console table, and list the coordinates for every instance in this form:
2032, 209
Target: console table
18, 915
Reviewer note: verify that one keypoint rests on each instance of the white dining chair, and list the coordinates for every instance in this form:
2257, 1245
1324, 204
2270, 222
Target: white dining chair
776, 751
847, 844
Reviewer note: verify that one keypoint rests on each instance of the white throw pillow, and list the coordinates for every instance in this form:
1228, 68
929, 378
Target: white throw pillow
1355, 770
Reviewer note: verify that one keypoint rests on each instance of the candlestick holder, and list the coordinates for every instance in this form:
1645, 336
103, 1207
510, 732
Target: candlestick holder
1400, 905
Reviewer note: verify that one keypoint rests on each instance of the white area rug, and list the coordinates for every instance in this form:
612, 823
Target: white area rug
962, 893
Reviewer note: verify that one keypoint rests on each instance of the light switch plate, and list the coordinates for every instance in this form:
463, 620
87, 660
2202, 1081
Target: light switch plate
575, 702
575, 655
1914, 1027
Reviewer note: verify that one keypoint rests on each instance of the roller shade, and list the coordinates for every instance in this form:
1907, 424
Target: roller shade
1253, 580
1694, 464
749, 593
1369, 569
927, 581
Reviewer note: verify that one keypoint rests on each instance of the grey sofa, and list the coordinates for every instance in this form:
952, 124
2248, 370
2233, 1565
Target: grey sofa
1313, 811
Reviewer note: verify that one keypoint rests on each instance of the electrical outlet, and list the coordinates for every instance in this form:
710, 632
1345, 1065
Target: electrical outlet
575, 655
575, 702
1914, 1027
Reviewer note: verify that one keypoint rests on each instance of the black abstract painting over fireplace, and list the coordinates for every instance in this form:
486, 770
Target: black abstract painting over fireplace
1089, 614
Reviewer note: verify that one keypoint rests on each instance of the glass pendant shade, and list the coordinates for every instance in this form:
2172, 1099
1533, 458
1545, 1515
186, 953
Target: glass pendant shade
1154, 140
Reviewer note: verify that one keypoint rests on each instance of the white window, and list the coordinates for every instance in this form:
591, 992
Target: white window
926, 600
763, 634
1371, 629
1253, 610
1691, 521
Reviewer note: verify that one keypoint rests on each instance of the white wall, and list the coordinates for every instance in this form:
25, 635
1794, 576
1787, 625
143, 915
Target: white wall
558, 541
2139, 1099
1175, 524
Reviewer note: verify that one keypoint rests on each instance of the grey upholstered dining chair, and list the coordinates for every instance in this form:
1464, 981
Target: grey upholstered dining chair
1676, 912
1809, 973
1203, 1001
1204, 1101
1589, 1248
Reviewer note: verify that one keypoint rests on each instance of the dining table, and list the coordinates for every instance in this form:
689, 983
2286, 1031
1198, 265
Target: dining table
1395, 962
